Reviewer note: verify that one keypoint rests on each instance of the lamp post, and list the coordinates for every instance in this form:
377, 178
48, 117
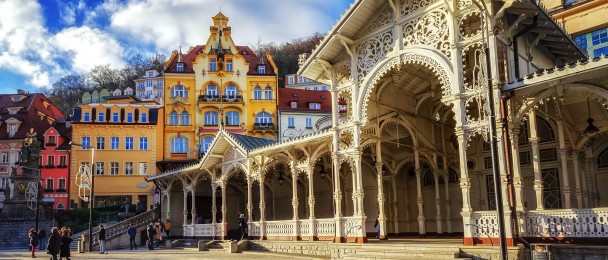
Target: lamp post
88, 181
35, 191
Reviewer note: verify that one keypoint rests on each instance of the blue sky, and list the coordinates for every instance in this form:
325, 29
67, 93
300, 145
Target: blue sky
41, 41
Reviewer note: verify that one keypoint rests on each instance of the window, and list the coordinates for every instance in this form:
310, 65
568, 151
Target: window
232, 117
523, 134
86, 117
12, 130
257, 93
229, 65
100, 117
141, 85
50, 161
487, 162
180, 67
129, 143
4, 157
599, 36
598, 52
159, 93
51, 140
315, 88
309, 122
524, 158
581, 41
212, 65
268, 93
128, 168
99, 168
324, 88
144, 118
143, 168
179, 91
148, 83
49, 184
261, 69
205, 144
173, 118
129, 117
160, 83
544, 130
291, 122
294, 104
290, 80
602, 159
150, 74
210, 118
552, 198
179, 145
547, 155
101, 143
113, 168
314, 106
61, 183
490, 192
63, 160
86, 143
115, 117
263, 118
211, 90
115, 143
185, 118
230, 91
143, 143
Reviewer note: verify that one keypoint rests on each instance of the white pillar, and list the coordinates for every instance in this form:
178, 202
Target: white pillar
262, 208
185, 206
517, 180
168, 200
565, 176
337, 198
448, 215
193, 195
419, 199
294, 201
465, 187
358, 194
311, 201
577, 179
538, 182
213, 203
438, 218
395, 206
381, 196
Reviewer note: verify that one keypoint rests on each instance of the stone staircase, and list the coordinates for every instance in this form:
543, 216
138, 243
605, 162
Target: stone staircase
118, 230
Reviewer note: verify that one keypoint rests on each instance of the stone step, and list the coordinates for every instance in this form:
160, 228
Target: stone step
380, 256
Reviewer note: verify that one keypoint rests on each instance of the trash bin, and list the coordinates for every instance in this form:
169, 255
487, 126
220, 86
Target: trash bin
541, 251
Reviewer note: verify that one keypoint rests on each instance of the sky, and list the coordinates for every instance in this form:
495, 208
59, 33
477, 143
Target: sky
43, 40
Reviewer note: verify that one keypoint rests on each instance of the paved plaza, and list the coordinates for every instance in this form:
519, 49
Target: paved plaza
182, 254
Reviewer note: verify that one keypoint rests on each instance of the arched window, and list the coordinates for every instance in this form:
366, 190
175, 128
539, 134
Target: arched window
210, 118
232, 118
257, 93
179, 145
429, 178
211, 91
205, 144
179, 91
602, 159
173, 118
185, 118
544, 130
263, 118
268, 93
230, 91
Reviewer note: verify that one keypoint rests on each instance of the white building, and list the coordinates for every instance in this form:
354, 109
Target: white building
150, 86
303, 112
296, 81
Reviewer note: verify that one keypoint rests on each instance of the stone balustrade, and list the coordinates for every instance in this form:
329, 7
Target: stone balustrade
580, 223
121, 227
204, 230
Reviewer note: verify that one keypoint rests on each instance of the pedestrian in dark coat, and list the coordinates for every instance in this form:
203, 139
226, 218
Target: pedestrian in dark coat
132, 233
34, 240
54, 245
102, 240
150, 232
42, 238
66, 240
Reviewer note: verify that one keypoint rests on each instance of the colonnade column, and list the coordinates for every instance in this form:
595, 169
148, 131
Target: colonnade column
538, 182
419, 199
168, 207
249, 203
193, 196
381, 215
395, 206
590, 195
294, 201
438, 218
465, 187
337, 199
262, 208
213, 208
448, 215
185, 206
311, 201
358, 232
224, 209
565, 178
517, 180
577, 179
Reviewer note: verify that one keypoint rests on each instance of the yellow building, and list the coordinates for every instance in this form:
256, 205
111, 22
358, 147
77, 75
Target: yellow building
586, 20
126, 136
213, 84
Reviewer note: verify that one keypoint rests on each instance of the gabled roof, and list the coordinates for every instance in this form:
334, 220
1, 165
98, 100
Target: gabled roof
303, 98
251, 143
33, 114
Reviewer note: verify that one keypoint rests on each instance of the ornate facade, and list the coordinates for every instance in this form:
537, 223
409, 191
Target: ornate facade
412, 150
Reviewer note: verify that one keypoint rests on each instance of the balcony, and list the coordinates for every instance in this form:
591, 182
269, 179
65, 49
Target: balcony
178, 100
263, 126
208, 98
232, 98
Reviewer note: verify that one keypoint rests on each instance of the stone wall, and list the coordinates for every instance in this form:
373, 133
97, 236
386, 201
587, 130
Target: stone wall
15, 233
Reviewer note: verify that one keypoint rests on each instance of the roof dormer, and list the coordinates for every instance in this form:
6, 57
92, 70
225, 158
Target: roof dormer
13, 110
17, 98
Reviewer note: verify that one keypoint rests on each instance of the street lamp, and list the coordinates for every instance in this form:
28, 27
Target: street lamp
32, 193
87, 181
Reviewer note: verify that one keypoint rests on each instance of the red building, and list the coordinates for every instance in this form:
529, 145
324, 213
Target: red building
54, 165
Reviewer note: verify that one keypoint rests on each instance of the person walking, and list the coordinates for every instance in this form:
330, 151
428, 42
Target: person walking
242, 225
41, 237
150, 233
54, 244
158, 234
168, 228
102, 240
132, 232
34, 241
66, 240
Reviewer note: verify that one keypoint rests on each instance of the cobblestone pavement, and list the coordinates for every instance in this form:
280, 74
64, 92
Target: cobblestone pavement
172, 254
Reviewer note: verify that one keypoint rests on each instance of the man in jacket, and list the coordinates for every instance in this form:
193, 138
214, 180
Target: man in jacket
54, 245
132, 232
150, 232
102, 240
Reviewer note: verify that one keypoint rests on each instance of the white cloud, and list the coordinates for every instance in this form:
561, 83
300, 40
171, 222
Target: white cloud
68, 15
88, 47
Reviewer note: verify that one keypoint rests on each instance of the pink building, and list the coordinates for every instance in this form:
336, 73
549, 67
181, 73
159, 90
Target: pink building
54, 165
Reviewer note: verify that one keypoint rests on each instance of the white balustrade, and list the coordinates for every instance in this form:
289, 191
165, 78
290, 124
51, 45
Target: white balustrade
255, 229
566, 223
305, 228
280, 228
484, 224
203, 230
350, 226
325, 227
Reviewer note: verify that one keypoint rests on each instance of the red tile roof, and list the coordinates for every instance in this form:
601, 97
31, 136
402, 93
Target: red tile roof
32, 106
303, 98
190, 56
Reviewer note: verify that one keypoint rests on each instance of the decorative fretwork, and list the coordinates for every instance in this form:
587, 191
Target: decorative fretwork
470, 25
462, 4
410, 6
385, 17
431, 30
372, 51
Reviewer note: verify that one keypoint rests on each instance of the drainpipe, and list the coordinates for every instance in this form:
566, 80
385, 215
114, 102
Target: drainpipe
515, 45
